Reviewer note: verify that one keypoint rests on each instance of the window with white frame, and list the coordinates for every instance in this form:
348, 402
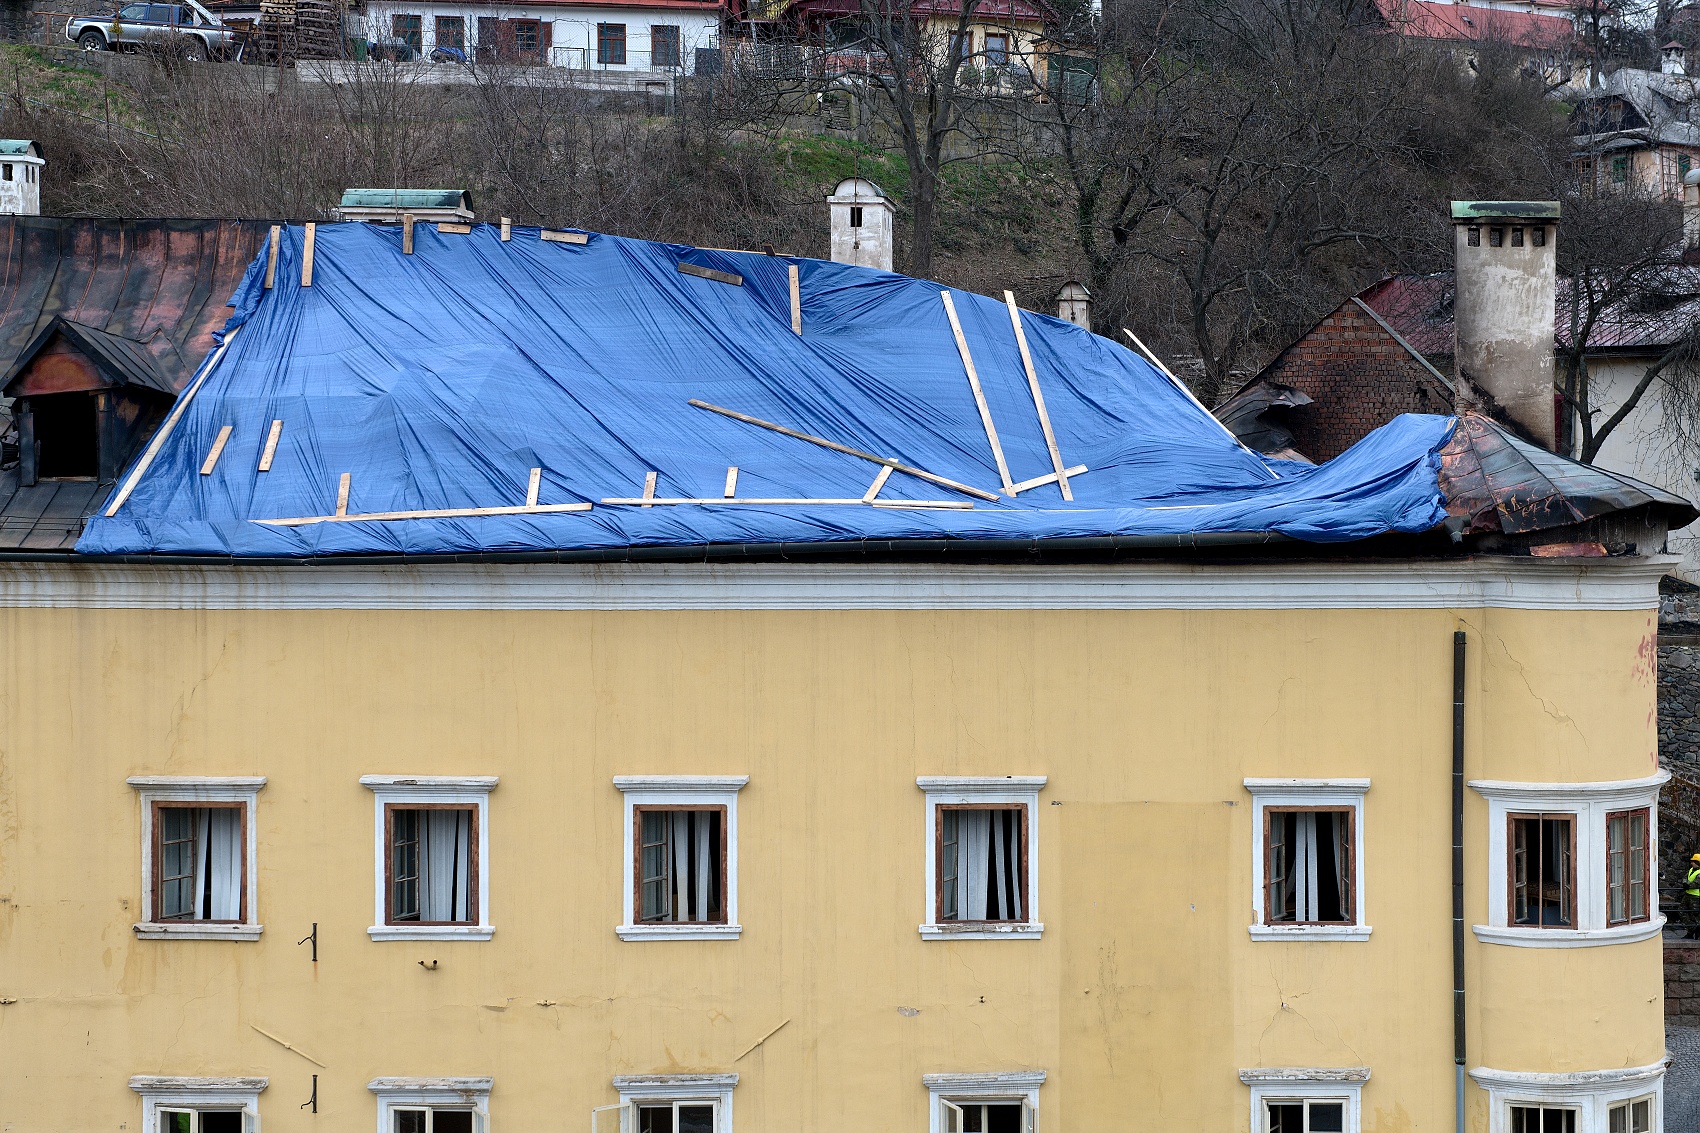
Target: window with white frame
681, 856
432, 1105
1571, 864
668, 1103
199, 1105
198, 856
1627, 1100
1307, 858
431, 857
998, 1102
1306, 1099
982, 856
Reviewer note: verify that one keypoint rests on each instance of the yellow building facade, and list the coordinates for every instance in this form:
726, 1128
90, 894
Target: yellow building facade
1147, 724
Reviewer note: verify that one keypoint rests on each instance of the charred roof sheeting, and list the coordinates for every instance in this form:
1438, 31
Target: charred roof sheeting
125, 360
160, 283
1500, 482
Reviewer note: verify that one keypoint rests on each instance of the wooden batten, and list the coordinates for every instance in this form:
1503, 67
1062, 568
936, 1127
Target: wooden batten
796, 300
271, 446
307, 254
342, 495
407, 234
979, 394
271, 256
710, 273
563, 237
211, 461
455, 229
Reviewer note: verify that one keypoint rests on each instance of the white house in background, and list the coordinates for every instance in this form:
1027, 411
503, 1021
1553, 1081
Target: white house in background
640, 35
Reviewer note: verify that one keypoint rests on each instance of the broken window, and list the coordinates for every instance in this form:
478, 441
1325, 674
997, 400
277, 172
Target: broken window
1300, 1116
200, 1121
681, 865
1631, 1117
1308, 865
431, 1120
982, 863
67, 436
199, 855
986, 1117
1626, 866
1543, 870
611, 43
1542, 1119
664, 45
431, 864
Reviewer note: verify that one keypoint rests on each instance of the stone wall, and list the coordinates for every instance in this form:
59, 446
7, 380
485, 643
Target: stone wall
1679, 702
1682, 983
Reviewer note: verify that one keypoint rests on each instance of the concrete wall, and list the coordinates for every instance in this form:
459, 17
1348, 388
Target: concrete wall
1145, 994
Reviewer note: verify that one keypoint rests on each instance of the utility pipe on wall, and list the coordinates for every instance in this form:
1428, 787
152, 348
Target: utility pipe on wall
1458, 644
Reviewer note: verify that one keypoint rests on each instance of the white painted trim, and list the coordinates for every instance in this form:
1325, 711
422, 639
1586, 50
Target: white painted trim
1591, 1093
679, 790
1006, 1085
981, 784
457, 1093
636, 1089
472, 790
1266, 792
1567, 937
1500, 582
191, 789
1590, 803
1282, 1075
953, 790
1319, 1084
194, 1093
686, 783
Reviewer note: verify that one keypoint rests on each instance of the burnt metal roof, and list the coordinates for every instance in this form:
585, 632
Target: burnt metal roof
1500, 482
161, 283
124, 359
48, 515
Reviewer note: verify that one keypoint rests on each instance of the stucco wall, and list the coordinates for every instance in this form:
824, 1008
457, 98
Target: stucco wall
1145, 995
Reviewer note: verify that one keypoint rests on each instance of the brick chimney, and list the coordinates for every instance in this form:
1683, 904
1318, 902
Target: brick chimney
1506, 258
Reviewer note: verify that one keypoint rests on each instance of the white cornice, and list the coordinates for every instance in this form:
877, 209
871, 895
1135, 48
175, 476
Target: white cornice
1581, 1081
981, 784
993, 1081
454, 1085
1628, 583
1285, 1075
197, 783
156, 1084
1284, 787
1616, 790
691, 784
430, 784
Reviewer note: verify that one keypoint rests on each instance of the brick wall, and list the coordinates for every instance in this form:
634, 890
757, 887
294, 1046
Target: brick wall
1358, 377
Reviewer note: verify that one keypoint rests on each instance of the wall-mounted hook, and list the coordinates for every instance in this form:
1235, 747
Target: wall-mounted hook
428, 965
314, 937
314, 1100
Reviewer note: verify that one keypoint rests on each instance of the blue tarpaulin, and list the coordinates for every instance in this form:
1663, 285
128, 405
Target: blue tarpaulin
439, 380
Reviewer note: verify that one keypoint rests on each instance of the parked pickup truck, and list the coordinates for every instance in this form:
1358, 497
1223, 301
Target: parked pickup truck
193, 30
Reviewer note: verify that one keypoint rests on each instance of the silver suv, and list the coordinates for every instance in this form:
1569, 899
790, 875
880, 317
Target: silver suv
188, 27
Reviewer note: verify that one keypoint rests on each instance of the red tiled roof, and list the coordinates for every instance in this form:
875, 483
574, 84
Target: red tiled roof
1421, 19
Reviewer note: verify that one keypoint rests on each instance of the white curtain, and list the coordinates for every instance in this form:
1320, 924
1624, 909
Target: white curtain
973, 849
1304, 867
444, 864
200, 817
224, 853
701, 820
681, 840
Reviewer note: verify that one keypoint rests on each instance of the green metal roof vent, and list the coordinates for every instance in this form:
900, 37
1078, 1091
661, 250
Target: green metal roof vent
20, 147
407, 198
1504, 210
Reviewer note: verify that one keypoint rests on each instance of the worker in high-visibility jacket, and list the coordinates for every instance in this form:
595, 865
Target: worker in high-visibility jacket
1690, 902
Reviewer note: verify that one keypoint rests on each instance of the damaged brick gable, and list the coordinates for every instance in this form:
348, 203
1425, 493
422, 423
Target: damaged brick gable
1358, 374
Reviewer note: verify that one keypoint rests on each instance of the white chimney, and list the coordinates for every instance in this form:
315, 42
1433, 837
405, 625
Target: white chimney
21, 164
1074, 303
1671, 59
1504, 298
1691, 209
861, 224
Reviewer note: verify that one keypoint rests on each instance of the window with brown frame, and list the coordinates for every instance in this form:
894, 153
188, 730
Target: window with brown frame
1627, 862
1543, 870
664, 45
1309, 863
680, 860
982, 863
451, 32
200, 862
430, 864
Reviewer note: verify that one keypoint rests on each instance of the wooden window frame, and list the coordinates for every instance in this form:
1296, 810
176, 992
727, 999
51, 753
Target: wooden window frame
437, 31
605, 42
641, 809
417, 32
939, 810
1351, 813
474, 865
678, 792
158, 880
659, 32
1542, 816
1645, 813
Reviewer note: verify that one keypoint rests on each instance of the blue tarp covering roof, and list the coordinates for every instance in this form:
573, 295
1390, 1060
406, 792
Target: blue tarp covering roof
439, 380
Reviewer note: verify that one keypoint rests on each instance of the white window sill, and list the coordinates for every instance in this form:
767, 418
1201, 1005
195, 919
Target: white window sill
1310, 932
431, 932
1020, 930
1568, 937
679, 931
190, 930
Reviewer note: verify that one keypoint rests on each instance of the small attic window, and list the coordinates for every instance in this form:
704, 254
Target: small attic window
855, 213
67, 436
6, 171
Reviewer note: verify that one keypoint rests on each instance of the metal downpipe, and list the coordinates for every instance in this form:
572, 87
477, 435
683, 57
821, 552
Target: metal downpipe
1458, 1034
